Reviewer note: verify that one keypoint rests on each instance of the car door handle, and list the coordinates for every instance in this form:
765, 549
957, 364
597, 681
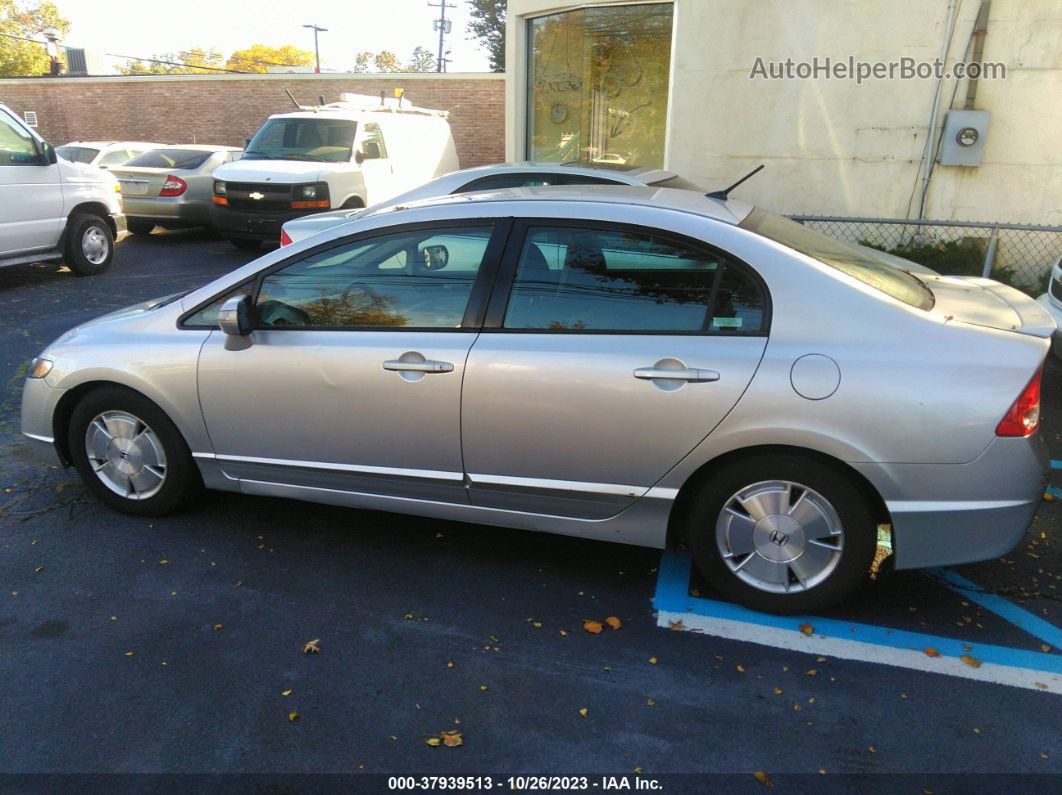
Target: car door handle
691, 374
418, 367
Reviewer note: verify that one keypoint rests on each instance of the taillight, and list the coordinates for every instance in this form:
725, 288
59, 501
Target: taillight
174, 186
284, 239
1024, 416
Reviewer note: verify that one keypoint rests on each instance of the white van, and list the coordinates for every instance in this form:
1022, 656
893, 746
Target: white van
52, 210
353, 153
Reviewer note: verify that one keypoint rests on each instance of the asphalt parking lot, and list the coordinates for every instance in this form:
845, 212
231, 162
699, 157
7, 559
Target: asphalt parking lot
176, 645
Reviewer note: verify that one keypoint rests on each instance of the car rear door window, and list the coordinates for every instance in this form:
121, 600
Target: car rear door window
578, 279
418, 279
170, 158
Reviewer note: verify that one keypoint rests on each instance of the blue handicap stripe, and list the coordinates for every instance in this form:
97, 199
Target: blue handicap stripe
672, 595
1009, 611
1055, 464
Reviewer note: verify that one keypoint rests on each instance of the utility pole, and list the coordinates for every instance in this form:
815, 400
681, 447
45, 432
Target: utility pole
443, 25
316, 50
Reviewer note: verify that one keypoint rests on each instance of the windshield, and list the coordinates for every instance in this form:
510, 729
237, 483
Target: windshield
859, 262
676, 182
77, 154
320, 140
171, 158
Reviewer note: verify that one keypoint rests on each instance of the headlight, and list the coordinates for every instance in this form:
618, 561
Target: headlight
40, 367
308, 191
219, 188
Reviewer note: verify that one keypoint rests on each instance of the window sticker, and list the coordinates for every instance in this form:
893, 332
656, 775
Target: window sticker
726, 322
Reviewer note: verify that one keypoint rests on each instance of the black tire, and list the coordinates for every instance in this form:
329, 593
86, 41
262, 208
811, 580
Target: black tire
139, 226
79, 228
856, 522
182, 479
246, 243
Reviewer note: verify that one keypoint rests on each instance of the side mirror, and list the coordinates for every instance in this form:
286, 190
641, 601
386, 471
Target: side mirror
234, 317
359, 157
48, 156
434, 257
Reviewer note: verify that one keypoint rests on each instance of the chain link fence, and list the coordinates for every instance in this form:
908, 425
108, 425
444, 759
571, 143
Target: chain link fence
1020, 255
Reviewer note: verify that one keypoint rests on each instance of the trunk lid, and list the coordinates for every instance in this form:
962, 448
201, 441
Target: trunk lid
142, 181
984, 302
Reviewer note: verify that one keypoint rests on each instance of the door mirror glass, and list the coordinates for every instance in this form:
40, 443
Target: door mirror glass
48, 156
434, 257
359, 158
234, 317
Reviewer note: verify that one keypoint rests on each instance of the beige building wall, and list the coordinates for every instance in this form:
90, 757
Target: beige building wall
836, 147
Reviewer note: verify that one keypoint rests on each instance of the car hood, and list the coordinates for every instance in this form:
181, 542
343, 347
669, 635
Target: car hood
126, 313
984, 302
81, 172
285, 172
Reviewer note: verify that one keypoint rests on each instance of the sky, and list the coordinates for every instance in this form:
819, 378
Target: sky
144, 27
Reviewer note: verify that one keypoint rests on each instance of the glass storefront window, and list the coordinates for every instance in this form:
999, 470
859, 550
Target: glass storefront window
598, 85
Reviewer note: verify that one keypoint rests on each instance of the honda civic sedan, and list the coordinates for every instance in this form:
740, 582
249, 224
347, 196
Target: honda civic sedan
633, 364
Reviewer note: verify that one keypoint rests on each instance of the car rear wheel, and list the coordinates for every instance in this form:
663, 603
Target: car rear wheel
782, 534
129, 454
89, 245
245, 243
140, 226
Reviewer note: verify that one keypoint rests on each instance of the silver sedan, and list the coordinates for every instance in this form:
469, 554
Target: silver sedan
171, 187
649, 366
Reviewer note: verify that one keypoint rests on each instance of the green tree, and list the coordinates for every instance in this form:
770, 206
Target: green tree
422, 61
259, 58
196, 61
361, 62
487, 23
386, 61
20, 58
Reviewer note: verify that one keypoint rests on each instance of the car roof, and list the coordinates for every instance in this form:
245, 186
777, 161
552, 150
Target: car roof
693, 202
201, 148
637, 175
114, 143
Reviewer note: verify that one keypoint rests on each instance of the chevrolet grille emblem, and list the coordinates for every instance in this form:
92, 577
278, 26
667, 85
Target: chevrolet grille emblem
256, 196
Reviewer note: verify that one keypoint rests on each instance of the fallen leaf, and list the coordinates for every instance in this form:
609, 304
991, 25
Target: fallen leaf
128, 654
977, 731
293, 716
973, 662
536, 624
1041, 685
650, 702
217, 627
439, 535
678, 626
564, 633
652, 660
433, 741
763, 778
741, 668
114, 618
239, 583
286, 693
1045, 648
811, 672
584, 712
778, 691
449, 665
164, 561
638, 770
452, 739
613, 622
931, 652
483, 687
1048, 497
872, 749
38, 570
593, 627
821, 659
312, 647
807, 629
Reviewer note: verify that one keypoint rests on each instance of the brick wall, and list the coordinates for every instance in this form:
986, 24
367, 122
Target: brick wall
226, 109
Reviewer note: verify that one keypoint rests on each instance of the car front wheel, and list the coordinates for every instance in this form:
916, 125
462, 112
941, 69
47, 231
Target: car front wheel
89, 245
782, 534
129, 454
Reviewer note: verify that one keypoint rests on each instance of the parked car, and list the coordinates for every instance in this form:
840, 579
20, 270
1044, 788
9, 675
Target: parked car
52, 210
494, 177
642, 365
104, 154
171, 187
353, 153
1052, 302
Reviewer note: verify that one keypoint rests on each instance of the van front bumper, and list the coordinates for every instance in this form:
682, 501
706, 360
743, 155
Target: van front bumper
256, 226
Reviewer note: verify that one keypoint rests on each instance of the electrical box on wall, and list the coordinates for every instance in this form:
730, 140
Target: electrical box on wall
963, 143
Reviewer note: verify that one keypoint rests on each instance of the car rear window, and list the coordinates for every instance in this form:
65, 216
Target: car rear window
858, 262
77, 154
171, 158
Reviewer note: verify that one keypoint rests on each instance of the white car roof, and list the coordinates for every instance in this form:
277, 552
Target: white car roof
686, 201
105, 144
